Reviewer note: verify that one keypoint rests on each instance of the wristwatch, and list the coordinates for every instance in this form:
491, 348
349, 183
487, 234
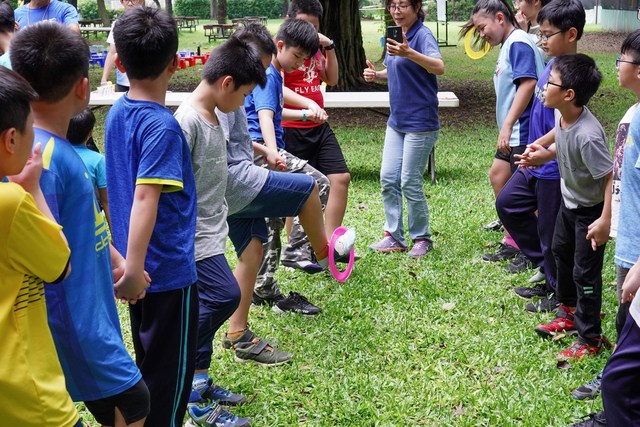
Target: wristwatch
331, 46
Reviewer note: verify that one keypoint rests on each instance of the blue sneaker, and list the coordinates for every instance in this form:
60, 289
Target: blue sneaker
214, 416
204, 391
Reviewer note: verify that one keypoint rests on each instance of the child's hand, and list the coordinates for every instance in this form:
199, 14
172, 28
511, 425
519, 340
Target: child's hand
369, 73
29, 177
130, 288
631, 284
535, 155
522, 21
598, 232
275, 161
503, 139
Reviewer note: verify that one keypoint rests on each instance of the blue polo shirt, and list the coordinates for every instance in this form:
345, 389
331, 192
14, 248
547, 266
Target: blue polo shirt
269, 97
57, 11
413, 91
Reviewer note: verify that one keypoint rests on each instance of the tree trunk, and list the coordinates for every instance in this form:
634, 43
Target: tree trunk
213, 9
157, 2
73, 3
168, 7
102, 13
285, 7
222, 11
341, 22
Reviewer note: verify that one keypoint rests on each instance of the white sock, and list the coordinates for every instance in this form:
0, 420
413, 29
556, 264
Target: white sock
345, 243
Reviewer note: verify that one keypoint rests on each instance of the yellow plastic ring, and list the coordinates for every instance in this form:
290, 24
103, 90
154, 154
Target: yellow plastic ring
468, 49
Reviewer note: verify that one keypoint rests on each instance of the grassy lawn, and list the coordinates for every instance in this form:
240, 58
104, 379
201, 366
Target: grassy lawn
441, 341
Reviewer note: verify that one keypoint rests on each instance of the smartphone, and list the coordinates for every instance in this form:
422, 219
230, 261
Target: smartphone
394, 32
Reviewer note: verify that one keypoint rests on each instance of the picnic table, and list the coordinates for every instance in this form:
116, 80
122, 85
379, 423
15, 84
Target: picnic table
87, 31
218, 31
187, 22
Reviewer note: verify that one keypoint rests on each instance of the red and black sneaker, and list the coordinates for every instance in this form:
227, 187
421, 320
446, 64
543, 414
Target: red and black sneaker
563, 323
579, 350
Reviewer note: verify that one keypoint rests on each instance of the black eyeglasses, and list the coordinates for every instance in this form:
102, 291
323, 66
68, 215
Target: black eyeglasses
545, 38
619, 60
556, 85
400, 7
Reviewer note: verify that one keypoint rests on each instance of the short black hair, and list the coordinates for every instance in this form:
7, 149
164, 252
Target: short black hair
238, 59
580, 73
631, 46
7, 19
259, 35
80, 127
51, 57
15, 100
299, 34
146, 40
564, 15
308, 7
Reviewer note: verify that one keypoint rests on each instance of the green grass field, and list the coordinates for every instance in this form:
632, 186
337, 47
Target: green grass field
441, 341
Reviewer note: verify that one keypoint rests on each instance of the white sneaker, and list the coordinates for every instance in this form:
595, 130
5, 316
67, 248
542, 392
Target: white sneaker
538, 277
345, 243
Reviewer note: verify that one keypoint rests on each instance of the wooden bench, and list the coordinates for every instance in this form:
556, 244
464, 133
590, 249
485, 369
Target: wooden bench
186, 22
331, 100
218, 31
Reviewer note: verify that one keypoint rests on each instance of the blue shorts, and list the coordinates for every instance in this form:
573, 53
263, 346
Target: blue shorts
283, 194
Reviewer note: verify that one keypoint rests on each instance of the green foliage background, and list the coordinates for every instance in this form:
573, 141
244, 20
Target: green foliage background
269, 8
199, 8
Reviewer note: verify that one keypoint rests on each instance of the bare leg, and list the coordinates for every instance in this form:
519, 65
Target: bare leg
120, 422
312, 222
245, 273
337, 203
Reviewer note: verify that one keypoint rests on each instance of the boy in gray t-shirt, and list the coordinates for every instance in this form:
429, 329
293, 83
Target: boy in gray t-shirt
582, 226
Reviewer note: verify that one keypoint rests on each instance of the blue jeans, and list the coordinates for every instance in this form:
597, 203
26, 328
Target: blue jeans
404, 160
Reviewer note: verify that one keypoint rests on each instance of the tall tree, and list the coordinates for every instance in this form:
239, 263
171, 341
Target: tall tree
222, 11
213, 9
103, 14
341, 22
285, 7
168, 7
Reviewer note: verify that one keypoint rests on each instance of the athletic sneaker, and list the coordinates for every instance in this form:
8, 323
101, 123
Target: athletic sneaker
527, 292
214, 416
269, 301
563, 323
296, 303
248, 347
579, 350
544, 305
519, 264
305, 265
589, 390
592, 420
538, 277
420, 248
504, 252
493, 226
388, 244
204, 391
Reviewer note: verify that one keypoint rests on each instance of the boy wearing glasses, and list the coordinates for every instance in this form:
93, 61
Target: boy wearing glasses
538, 189
583, 223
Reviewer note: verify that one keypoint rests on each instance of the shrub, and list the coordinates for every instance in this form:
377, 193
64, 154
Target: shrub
88, 9
242, 8
199, 8
460, 11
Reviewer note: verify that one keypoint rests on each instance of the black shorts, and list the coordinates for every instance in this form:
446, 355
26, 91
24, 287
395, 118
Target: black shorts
319, 146
133, 403
509, 156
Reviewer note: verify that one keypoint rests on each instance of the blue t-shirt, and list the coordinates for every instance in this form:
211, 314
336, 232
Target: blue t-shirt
628, 241
267, 98
81, 309
58, 11
145, 145
95, 165
519, 58
413, 91
541, 121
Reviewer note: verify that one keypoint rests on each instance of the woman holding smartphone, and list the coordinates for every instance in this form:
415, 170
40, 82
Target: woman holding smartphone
412, 128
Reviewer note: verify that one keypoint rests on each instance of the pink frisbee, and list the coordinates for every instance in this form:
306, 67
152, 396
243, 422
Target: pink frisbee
340, 276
